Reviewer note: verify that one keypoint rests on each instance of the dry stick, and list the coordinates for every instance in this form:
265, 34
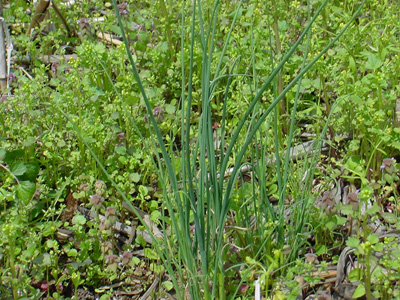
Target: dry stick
65, 234
122, 227
298, 152
146, 218
345, 257
3, 63
9, 48
39, 15
59, 58
327, 277
145, 296
108, 38
52, 58
60, 15
151, 288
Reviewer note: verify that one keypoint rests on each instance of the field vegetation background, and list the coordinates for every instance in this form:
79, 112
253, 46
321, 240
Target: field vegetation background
199, 149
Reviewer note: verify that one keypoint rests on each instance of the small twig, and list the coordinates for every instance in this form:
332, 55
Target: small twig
60, 15
151, 288
25, 72
126, 229
111, 286
296, 153
9, 49
9, 171
341, 265
3, 62
146, 218
108, 38
39, 15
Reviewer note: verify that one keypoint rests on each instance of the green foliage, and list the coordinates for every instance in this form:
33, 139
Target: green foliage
215, 87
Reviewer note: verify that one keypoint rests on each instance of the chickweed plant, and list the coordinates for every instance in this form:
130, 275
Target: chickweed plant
198, 197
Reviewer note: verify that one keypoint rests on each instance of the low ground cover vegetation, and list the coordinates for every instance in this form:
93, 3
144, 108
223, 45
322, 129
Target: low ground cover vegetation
200, 150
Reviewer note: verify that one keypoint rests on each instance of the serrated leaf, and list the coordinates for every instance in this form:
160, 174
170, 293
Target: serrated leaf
115, 115
155, 215
163, 47
116, 29
383, 54
373, 238
340, 220
79, 219
150, 253
135, 260
132, 99
100, 48
170, 109
50, 229
76, 265
388, 178
359, 292
35, 212
250, 260
123, 160
46, 259
395, 253
374, 209
321, 249
347, 210
394, 145
316, 83
143, 190
352, 65
120, 150
43, 260
140, 240
378, 247
357, 100
239, 13
88, 139
389, 217
156, 268
29, 252
32, 171
29, 141
18, 168
352, 242
104, 297
25, 191
330, 225
72, 253
283, 25
168, 285
2, 154
133, 35
373, 62
13, 155
134, 177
